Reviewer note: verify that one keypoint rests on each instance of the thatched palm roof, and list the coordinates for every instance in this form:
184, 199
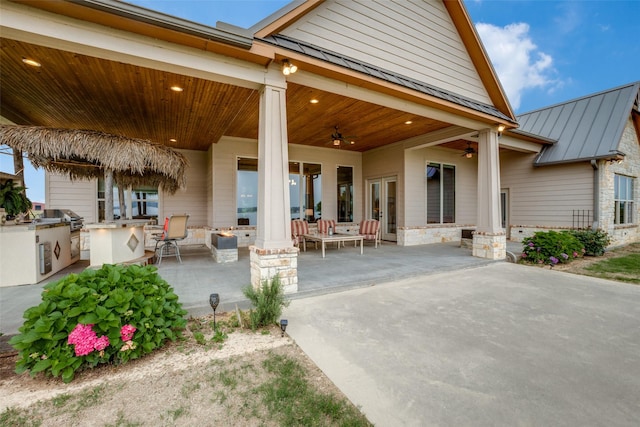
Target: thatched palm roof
86, 154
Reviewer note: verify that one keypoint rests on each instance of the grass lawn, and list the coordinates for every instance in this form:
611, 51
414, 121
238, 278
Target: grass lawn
625, 268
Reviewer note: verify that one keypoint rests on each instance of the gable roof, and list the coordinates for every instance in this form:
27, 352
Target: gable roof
587, 128
308, 49
272, 27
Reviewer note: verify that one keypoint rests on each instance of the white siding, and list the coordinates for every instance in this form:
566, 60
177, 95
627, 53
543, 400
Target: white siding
192, 200
413, 38
545, 196
79, 196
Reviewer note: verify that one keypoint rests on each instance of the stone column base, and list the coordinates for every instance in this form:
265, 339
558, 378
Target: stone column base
489, 245
267, 263
224, 255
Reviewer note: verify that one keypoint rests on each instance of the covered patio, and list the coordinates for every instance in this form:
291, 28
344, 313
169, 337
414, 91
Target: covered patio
411, 138
198, 276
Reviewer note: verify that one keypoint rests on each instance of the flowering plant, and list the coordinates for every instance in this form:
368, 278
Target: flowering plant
551, 248
88, 318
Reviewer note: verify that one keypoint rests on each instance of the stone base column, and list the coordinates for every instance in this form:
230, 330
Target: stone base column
489, 245
268, 263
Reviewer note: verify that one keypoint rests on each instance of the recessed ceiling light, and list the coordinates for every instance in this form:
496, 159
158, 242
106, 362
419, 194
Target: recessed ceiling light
31, 62
176, 88
314, 101
173, 140
408, 122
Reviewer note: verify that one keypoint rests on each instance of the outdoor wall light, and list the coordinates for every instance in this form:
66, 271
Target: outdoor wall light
501, 129
283, 325
214, 300
288, 68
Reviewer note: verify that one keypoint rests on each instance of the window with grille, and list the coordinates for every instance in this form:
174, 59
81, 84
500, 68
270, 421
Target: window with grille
623, 196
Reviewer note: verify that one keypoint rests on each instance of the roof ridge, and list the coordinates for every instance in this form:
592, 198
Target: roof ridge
574, 100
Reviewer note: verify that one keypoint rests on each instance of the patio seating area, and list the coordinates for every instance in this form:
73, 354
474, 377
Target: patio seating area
198, 275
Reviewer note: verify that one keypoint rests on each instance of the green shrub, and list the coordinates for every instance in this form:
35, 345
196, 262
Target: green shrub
110, 315
551, 247
594, 241
268, 301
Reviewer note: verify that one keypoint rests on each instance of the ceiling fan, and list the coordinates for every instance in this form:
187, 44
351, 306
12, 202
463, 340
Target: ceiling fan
469, 151
338, 140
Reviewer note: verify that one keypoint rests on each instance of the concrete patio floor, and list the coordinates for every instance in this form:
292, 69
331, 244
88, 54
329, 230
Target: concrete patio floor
198, 275
495, 345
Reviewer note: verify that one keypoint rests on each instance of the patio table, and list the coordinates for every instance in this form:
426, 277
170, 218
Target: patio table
323, 238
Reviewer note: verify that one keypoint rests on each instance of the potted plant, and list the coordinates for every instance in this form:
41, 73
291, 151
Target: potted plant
13, 199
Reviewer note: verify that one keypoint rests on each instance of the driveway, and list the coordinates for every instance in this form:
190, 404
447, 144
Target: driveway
495, 345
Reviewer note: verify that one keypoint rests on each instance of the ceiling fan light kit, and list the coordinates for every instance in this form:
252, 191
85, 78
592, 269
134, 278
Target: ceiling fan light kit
338, 139
469, 151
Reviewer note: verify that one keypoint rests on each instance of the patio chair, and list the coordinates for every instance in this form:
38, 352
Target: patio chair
323, 227
299, 227
175, 229
370, 230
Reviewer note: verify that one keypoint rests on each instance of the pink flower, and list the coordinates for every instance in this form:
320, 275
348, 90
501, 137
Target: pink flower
126, 332
85, 340
101, 343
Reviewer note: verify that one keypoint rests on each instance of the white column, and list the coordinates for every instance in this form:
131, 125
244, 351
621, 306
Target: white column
273, 253
489, 239
488, 183
274, 213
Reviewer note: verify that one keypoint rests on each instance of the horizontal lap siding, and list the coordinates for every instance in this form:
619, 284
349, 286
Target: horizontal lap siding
416, 39
192, 200
545, 196
79, 196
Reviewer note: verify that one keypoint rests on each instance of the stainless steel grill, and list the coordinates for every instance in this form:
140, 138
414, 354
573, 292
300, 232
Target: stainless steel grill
64, 215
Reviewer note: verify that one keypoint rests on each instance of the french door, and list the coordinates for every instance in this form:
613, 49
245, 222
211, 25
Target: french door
381, 205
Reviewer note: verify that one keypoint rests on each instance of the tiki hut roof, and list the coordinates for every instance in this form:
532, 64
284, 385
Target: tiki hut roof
86, 154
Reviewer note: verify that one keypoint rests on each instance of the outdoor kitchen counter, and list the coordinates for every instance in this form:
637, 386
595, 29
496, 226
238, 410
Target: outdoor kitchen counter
32, 252
116, 242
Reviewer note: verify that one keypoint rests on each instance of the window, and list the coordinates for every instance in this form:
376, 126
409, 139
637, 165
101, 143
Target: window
247, 191
305, 191
623, 196
441, 193
345, 194
144, 202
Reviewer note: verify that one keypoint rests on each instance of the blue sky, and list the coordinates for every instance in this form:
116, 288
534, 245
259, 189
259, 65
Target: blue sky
544, 51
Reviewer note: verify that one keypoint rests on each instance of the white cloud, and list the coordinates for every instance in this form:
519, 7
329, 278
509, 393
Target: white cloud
519, 63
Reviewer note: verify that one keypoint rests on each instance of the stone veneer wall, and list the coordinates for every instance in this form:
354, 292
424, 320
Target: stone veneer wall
630, 166
489, 245
268, 263
519, 232
224, 255
424, 235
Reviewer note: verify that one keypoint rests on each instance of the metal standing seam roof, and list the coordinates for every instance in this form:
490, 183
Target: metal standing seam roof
386, 75
585, 128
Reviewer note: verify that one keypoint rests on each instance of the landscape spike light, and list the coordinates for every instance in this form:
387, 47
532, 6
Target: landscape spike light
283, 325
214, 300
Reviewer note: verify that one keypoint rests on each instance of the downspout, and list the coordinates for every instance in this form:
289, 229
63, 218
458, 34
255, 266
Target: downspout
596, 195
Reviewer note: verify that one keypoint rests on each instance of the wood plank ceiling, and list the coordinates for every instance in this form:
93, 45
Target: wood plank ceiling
77, 91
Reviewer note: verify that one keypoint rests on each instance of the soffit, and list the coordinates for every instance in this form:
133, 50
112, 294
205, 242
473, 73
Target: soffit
76, 91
